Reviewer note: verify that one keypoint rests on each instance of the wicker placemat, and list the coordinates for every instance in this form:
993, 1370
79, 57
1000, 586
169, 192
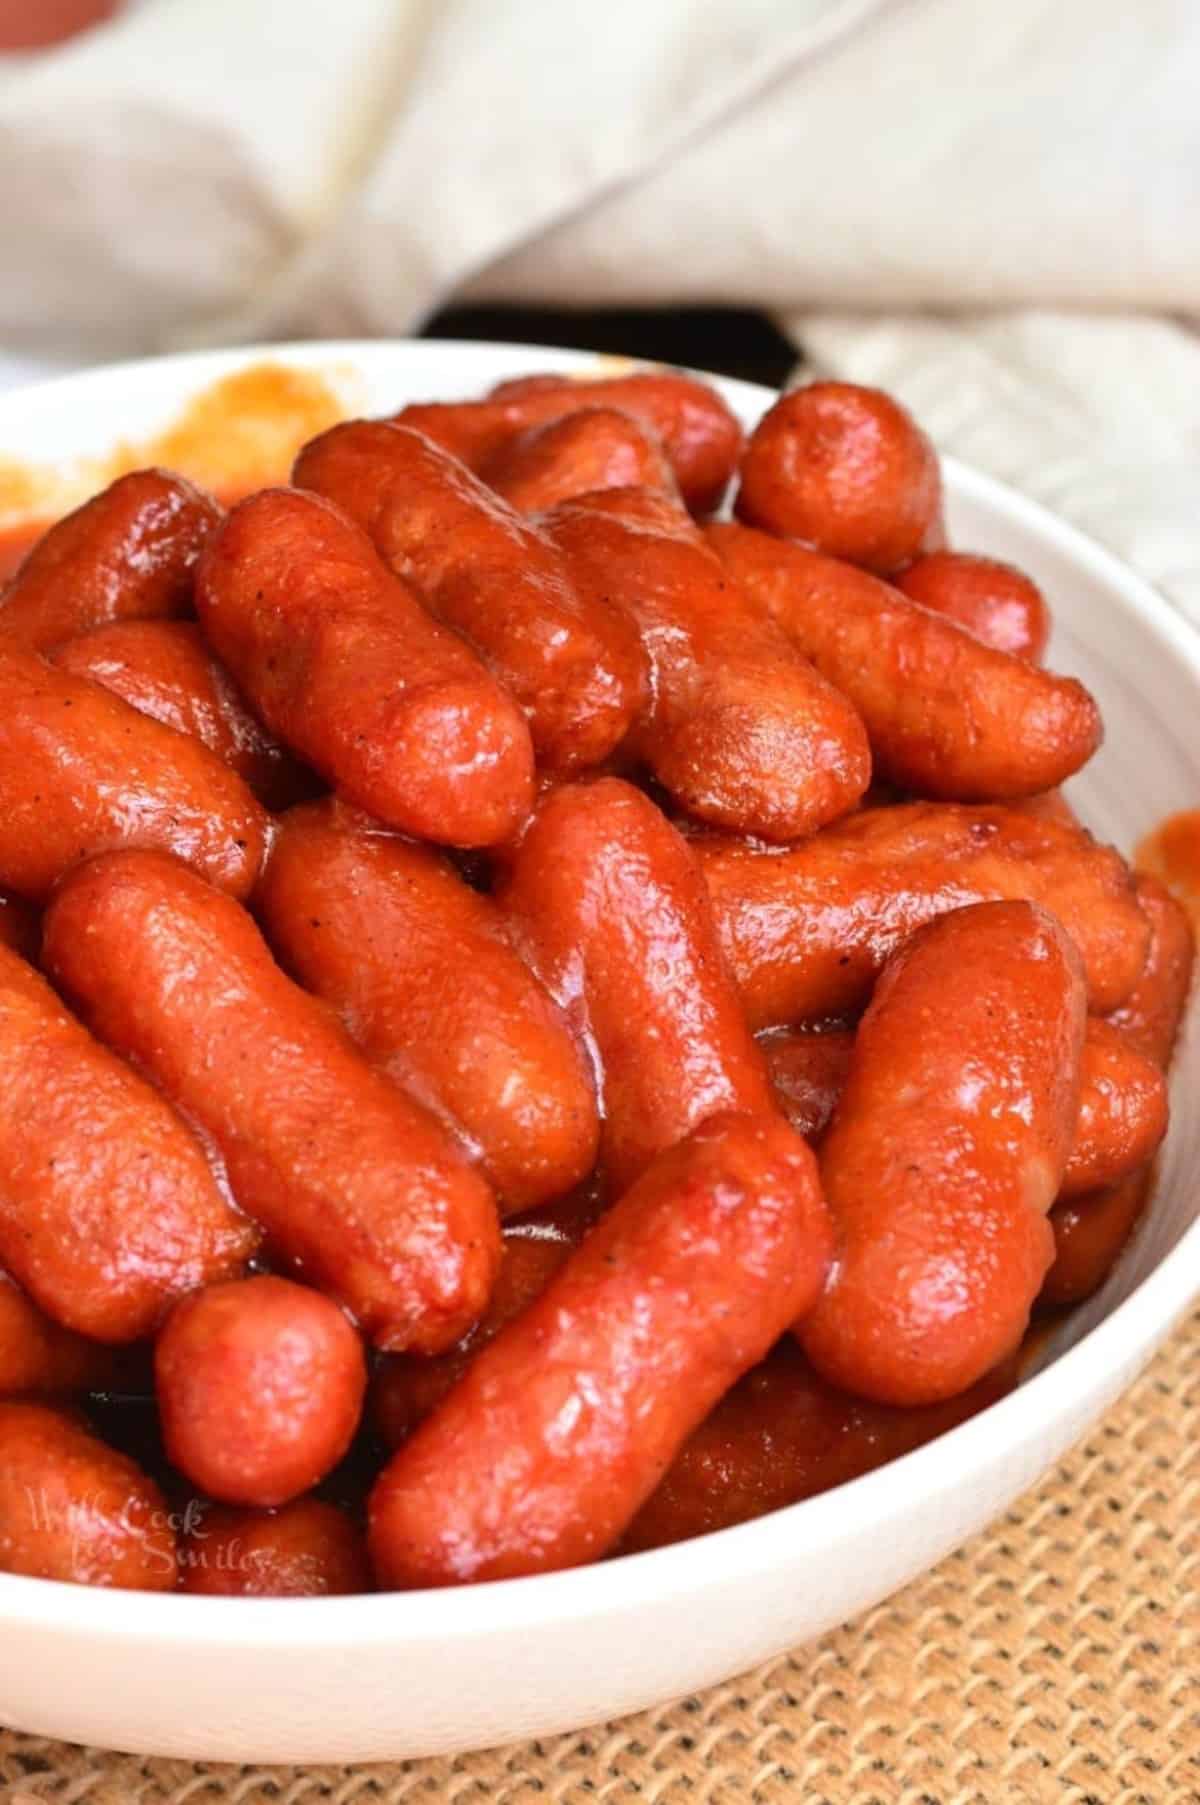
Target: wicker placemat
1056, 1658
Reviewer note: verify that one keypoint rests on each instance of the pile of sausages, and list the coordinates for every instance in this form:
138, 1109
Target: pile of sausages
501, 969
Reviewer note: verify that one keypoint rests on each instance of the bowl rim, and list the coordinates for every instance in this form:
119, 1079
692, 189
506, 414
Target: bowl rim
1122, 1341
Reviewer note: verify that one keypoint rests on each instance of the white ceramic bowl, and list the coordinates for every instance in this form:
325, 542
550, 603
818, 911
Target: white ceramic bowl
422, 1673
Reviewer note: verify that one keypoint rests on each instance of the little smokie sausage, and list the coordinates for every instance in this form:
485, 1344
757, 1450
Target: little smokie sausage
783, 1434
1122, 1111
848, 470
1091, 1230
359, 1189
306, 1550
945, 1153
417, 966
995, 601
742, 731
260, 1384
81, 772
807, 930
406, 1387
338, 657
695, 425
572, 661
128, 554
700, 434
108, 1209
565, 1422
39, 1355
75, 1510
1122, 1098
597, 448
164, 669
947, 716
605, 901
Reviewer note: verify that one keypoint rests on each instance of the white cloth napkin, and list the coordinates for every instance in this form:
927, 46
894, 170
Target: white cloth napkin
203, 166
212, 170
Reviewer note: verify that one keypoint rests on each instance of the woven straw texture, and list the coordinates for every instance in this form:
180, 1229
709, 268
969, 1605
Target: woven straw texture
1056, 1658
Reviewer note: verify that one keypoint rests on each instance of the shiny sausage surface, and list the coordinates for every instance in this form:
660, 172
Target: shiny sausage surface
73, 1509
359, 1189
417, 966
164, 669
563, 1425
1122, 1098
806, 931
1150, 1015
742, 731
700, 434
260, 1384
308, 1549
572, 660
597, 448
846, 469
339, 659
945, 1153
108, 1210
1092, 1229
1122, 1111
947, 716
995, 601
81, 773
128, 554
782, 1434
606, 902
406, 1387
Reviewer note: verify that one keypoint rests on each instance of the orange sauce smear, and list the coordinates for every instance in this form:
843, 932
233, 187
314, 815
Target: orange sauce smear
237, 435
